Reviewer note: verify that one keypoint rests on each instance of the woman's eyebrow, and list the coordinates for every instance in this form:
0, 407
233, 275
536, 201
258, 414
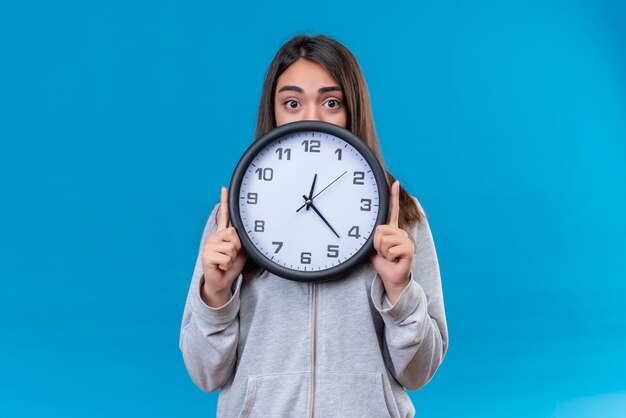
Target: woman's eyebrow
327, 89
291, 88
299, 89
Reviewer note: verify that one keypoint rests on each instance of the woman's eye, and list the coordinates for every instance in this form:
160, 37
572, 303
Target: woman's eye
333, 104
291, 104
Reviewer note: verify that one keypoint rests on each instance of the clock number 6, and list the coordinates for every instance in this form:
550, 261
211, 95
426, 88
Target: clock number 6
305, 258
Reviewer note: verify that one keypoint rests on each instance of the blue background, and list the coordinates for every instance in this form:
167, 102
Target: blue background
119, 121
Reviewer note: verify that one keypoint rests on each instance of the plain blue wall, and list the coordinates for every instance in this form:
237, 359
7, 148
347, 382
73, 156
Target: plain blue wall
120, 120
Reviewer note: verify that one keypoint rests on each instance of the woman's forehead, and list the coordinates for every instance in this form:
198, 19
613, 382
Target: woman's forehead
306, 75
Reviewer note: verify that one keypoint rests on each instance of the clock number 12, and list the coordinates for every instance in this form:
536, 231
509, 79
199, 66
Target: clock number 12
311, 146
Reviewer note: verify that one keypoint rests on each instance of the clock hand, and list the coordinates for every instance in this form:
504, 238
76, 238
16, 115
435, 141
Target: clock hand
331, 183
320, 192
310, 203
312, 187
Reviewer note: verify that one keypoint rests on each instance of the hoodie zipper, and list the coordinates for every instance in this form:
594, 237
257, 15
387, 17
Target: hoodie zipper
314, 348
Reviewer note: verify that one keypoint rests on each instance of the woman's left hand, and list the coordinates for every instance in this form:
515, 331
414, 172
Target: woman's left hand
394, 250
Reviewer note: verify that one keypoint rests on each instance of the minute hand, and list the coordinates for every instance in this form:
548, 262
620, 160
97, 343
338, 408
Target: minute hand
320, 192
321, 216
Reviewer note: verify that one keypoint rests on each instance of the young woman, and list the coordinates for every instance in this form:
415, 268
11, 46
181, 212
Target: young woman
343, 348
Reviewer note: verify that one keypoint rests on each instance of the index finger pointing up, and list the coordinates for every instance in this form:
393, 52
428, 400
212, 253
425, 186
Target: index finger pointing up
394, 204
222, 217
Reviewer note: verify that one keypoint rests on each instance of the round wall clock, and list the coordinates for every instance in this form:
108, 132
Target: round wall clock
306, 198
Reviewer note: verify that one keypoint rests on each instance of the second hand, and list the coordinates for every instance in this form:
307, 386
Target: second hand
331, 183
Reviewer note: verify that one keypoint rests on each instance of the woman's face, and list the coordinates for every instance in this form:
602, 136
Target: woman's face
306, 91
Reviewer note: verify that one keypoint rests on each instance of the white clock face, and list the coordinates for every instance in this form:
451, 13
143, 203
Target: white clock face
300, 231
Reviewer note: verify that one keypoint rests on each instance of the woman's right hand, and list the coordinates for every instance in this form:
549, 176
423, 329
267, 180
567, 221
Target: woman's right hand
222, 259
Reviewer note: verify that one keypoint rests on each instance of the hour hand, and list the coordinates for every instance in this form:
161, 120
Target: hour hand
310, 203
312, 188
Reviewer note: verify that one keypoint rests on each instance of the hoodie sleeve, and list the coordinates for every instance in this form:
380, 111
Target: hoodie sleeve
209, 336
416, 334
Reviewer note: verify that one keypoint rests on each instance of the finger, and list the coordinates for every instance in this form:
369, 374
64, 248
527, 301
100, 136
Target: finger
387, 237
384, 230
228, 234
240, 260
390, 241
378, 235
226, 248
394, 204
214, 259
222, 219
232, 237
399, 251
225, 267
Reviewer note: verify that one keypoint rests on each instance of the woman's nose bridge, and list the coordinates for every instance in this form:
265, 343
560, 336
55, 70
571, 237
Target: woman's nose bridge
313, 112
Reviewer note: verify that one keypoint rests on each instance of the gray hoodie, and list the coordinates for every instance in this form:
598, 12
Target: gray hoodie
281, 348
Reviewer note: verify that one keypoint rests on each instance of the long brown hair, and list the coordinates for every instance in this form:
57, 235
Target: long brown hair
343, 68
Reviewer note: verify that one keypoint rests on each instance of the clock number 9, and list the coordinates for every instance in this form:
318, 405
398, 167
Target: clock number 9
311, 146
253, 198
266, 174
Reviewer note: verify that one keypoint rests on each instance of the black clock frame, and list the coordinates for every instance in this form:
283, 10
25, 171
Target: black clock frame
279, 133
